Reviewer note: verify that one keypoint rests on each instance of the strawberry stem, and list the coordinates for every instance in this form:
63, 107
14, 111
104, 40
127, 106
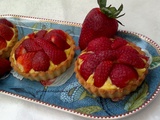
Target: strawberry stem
110, 11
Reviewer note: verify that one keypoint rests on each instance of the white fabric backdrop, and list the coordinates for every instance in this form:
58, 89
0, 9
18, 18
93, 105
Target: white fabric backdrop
142, 16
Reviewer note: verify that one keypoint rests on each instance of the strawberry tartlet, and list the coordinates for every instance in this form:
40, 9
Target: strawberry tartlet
111, 68
43, 55
8, 37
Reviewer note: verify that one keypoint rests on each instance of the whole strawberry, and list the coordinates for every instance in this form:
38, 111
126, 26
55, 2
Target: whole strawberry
99, 22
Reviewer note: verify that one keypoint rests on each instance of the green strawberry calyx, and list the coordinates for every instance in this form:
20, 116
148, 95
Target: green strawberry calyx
110, 11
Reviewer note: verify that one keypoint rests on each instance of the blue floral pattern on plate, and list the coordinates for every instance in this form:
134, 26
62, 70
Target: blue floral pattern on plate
70, 95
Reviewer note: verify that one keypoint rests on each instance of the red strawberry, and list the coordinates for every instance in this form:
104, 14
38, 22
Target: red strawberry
40, 61
4, 66
30, 45
41, 33
85, 56
91, 62
6, 32
88, 66
132, 59
126, 50
31, 36
57, 39
3, 43
118, 42
121, 74
99, 44
25, 61
56, 55
20, 51
102, 72
6, 22
99, 22
60, 32
107, 55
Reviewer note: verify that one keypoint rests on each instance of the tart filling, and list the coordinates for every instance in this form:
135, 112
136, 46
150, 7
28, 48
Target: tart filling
48, 54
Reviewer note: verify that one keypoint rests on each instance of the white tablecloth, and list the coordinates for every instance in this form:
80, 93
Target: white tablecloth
142, 16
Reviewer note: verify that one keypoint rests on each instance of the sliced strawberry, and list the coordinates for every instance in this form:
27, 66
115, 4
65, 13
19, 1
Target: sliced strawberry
40, 61
57, 39
30, 45
31, 35
41, 33
132, 59
91, 62
3, 43
6, 32
5, 66
25, 61
61, 33
106, 55
121, 74
20, 51
6, 22
88, 66
99, 44
102, 72
56, 55
126, 50
118, 42
85, 56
